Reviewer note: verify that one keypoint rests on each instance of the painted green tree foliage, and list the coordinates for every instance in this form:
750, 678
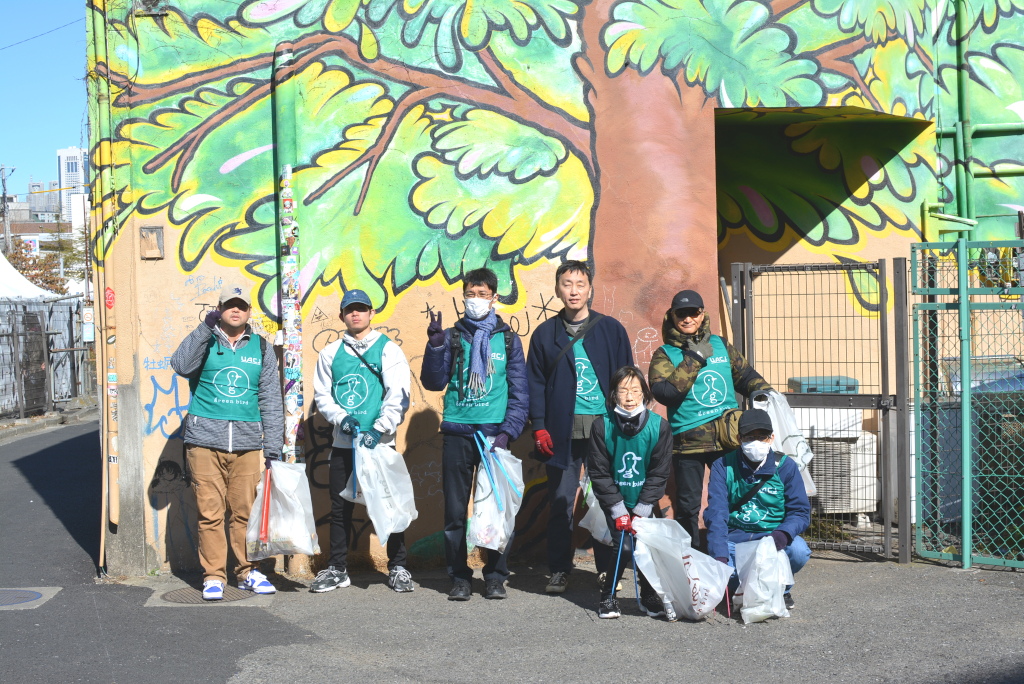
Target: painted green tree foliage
436, 136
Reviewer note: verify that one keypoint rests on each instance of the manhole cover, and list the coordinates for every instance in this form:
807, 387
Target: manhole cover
12, 597
190, 595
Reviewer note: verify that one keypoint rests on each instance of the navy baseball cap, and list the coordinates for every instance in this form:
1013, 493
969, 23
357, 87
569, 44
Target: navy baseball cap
687, 299
355, 297
755, 419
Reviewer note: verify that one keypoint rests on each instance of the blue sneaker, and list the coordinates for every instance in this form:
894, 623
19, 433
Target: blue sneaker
257, 583
213, 590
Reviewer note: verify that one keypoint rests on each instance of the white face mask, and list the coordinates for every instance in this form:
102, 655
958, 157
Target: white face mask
629, 414
755, 451
477, 307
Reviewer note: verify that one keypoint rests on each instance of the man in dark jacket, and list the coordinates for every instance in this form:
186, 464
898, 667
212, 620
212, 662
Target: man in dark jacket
696, 376
571, 361
236, 412
755, 492
479, 364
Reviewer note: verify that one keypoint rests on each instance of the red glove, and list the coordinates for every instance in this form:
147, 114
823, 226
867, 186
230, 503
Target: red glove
542, 440
624, 524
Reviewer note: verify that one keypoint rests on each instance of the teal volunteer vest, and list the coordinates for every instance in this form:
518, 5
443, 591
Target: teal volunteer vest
766, 510
487, 406
590, 400
356, 388
629, 456
712, 393
228, 386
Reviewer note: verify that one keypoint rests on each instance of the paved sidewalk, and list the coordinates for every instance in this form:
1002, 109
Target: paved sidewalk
855, 621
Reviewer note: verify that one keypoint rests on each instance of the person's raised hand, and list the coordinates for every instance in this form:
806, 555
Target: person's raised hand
212, 316
435, 331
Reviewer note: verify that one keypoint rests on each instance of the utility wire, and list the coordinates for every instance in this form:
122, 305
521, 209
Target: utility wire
42, 34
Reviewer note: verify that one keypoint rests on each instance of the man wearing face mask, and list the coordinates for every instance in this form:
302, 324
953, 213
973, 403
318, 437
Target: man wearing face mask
755, 492
572, 358
696, 376
479, 364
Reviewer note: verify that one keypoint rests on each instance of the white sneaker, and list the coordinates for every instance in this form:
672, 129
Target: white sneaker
257, 583
213, 590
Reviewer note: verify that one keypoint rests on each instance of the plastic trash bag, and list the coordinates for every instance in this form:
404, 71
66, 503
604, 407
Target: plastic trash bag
282, 523
497, 496
383, 485
789, 438
764, 574
593, 520
691, 584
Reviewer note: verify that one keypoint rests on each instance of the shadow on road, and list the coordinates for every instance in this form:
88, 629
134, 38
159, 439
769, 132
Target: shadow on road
68, 478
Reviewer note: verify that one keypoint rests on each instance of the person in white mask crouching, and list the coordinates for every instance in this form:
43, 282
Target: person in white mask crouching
755, 492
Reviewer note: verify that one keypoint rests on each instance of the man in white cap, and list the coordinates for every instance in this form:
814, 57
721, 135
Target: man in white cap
362, 386
236, 418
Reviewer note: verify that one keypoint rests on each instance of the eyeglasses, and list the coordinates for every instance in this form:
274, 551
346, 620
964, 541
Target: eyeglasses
688, 313
624, 393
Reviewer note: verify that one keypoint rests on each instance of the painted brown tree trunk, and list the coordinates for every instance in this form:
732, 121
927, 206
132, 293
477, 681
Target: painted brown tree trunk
655, 223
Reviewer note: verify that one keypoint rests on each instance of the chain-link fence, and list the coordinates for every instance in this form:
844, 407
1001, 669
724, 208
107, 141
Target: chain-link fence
821, 334
43, 361
969, 361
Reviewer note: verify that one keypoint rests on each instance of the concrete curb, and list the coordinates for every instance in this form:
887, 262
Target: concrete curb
16, 429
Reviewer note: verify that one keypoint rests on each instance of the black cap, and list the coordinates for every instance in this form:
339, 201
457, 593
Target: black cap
755, 419
687, 299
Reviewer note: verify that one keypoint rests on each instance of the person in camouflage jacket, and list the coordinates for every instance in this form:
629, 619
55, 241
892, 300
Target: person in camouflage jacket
695, 375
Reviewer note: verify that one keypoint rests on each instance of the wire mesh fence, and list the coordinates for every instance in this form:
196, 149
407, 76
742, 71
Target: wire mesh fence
43, 361
970, 472
820, 333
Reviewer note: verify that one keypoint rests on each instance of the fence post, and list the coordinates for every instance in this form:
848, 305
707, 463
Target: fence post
885, 424
19, 381
903, 493
964, 302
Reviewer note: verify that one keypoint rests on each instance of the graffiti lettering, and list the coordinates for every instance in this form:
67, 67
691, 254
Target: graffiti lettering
166, 415
162, 363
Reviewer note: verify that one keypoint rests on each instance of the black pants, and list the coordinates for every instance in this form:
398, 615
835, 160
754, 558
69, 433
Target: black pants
562, 488
626, 559
459, 458
689, 472
341, 516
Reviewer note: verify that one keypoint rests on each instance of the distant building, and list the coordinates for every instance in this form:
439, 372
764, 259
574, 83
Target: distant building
17, 209
43, 205
71, 176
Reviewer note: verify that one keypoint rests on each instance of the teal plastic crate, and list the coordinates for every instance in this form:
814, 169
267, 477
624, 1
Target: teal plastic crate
831, 384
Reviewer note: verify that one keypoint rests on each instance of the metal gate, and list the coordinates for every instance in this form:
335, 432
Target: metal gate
821, 334
969, 362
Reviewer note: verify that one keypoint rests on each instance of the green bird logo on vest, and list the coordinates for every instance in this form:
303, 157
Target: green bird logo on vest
712, 392
752, 513
629, 469
586, 382
356, 391
231, 382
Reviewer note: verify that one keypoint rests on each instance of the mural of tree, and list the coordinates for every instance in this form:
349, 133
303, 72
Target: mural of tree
436, 136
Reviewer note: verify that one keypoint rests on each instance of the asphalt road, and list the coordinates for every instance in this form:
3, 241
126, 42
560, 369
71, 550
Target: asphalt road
855, 621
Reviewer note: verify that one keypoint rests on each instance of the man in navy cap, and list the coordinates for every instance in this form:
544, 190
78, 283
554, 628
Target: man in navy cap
236, 415
361, 385
755, 492
696, 376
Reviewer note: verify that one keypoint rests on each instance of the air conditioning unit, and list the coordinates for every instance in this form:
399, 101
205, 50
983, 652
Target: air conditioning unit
845, 472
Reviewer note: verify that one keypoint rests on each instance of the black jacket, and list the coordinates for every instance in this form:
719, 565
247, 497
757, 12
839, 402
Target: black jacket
553, 397
599, 466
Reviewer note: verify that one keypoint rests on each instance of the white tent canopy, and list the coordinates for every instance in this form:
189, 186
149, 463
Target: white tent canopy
13, 285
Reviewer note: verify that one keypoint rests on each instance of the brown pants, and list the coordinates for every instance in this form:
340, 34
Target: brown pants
223, 480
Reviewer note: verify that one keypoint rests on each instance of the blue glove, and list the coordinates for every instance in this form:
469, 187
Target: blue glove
349, 425
780, 539
500, 441
370, 438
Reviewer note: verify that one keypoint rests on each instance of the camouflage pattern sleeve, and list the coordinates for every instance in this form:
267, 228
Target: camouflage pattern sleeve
745, 379
669, 383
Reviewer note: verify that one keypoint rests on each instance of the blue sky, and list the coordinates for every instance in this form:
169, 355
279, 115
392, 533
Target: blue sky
43, 101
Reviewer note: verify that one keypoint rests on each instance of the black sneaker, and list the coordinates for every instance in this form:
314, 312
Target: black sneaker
609, 609
788, 598
494, 589
652, 605
400, 580
461, 590
558, 583
329, 579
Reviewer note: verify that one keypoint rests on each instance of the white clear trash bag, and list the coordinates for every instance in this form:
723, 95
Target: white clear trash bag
764, 574
385, 488
491, 526
789, 438
291, 528
691, 584
594, 520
